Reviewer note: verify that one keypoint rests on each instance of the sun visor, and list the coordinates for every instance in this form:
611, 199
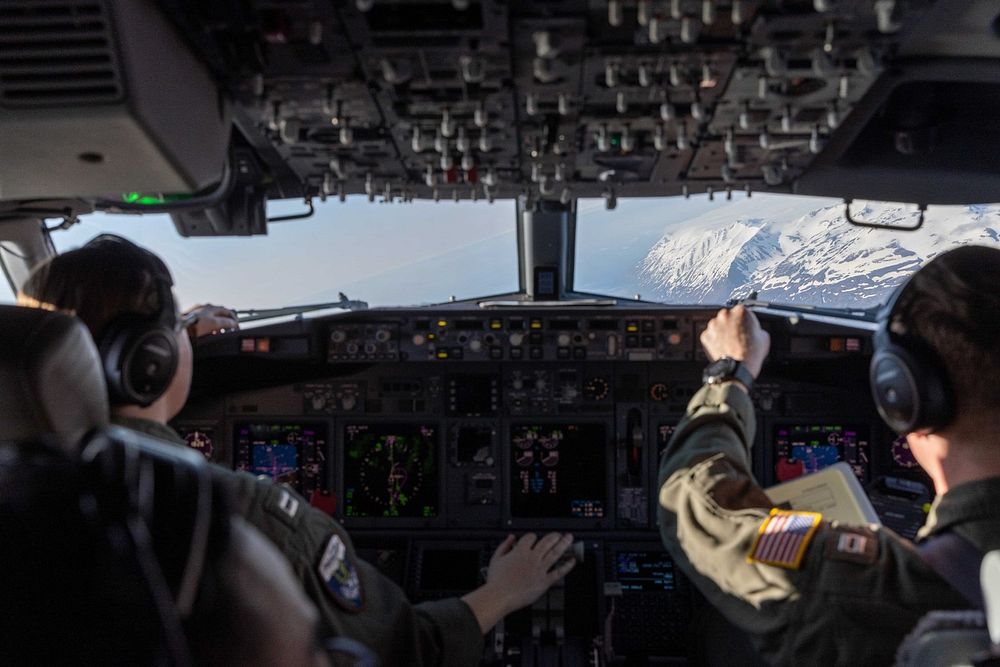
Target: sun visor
927, 132
99, 98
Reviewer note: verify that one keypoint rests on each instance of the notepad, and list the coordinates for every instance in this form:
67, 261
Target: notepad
834, 492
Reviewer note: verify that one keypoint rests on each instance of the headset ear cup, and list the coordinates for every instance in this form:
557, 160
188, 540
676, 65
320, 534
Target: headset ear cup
909, 395
895, 390
140, 359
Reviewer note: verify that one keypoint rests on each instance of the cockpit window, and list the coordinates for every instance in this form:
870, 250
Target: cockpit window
385, 254
6, 295
792, 250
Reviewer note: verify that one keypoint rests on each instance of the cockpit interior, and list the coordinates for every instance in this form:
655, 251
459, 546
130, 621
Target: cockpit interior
432, 430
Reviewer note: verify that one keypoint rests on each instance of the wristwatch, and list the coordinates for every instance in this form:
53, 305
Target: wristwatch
725, 369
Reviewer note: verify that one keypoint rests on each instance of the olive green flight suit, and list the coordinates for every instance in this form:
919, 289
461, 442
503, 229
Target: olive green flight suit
443, 632
857, 591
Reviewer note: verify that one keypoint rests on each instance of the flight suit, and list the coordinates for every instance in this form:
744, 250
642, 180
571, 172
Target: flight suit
830, 594
353, 598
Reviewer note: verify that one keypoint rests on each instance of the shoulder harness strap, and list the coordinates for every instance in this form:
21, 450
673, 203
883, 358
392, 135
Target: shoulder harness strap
957, 561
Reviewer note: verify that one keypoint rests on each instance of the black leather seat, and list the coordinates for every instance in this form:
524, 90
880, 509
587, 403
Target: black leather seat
51, 381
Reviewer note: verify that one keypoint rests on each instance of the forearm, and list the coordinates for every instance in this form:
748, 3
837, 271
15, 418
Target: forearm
488, 606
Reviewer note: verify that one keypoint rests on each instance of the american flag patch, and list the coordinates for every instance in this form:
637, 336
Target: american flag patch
783, 538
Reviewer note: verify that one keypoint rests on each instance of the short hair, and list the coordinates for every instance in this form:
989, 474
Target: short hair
952, 304
105, 279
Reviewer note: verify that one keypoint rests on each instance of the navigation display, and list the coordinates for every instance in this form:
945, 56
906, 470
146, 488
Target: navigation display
558, 470
800, 449
644, 571
390, 470
294, 454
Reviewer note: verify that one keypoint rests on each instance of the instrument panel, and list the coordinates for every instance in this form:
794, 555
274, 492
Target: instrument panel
432, 436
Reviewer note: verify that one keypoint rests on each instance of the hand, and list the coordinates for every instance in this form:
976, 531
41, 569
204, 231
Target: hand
211, 320
736, 333
519, 573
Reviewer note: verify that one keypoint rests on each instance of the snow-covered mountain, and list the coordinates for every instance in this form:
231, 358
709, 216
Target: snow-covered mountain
815, 257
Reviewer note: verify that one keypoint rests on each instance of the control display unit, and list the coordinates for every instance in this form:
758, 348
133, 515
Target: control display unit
391, 470
800, 449
644, 571
293, 453
558, 470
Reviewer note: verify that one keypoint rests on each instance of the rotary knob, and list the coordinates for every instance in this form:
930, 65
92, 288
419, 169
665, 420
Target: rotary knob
516, 339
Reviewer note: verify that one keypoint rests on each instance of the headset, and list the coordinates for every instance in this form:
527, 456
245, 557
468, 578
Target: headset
139, 353
908, 380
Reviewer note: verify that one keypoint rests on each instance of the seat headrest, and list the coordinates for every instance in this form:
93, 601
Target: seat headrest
51, 380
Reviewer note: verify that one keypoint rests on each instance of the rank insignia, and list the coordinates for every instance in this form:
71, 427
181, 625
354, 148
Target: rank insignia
854, 544
784, 537
340, 576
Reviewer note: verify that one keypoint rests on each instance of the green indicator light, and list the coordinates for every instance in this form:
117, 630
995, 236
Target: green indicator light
151, 200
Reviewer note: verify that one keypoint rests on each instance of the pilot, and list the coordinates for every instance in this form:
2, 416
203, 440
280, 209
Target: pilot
113, 286
814, 592
76, 593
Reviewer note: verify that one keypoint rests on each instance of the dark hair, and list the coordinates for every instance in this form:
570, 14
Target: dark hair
952, 304
99, 282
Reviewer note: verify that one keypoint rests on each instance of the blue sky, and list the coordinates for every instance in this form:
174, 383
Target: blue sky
392, 254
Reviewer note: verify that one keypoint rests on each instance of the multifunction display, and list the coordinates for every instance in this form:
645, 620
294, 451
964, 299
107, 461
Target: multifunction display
558, 470
391, 470
800, 449
291, 453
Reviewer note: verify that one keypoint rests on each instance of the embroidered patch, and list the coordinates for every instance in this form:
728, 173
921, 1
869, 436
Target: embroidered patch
783, 538
854, 545
288, 504
340, 576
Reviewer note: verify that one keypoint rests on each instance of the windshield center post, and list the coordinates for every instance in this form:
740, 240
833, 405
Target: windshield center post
546, 236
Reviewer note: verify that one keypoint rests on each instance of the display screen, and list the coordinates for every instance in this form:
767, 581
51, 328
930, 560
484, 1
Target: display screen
293, 454
449, 569
472, 445
274, 460
801, 449
390, 470
472, 395
644, 571
199, 438
902, 457
558, 470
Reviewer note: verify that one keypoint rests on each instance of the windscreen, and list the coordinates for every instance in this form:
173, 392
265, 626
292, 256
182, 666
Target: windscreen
385, 254
787, 249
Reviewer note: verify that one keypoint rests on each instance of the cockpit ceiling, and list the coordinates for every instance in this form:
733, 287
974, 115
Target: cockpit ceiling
564, 99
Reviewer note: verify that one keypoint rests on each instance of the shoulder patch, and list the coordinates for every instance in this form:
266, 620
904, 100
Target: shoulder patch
340, 576
854, 544
784, 537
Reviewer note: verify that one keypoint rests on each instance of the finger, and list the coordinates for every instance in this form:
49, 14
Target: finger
559, 549
546, 543
527, 541
504, 548
561, 571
